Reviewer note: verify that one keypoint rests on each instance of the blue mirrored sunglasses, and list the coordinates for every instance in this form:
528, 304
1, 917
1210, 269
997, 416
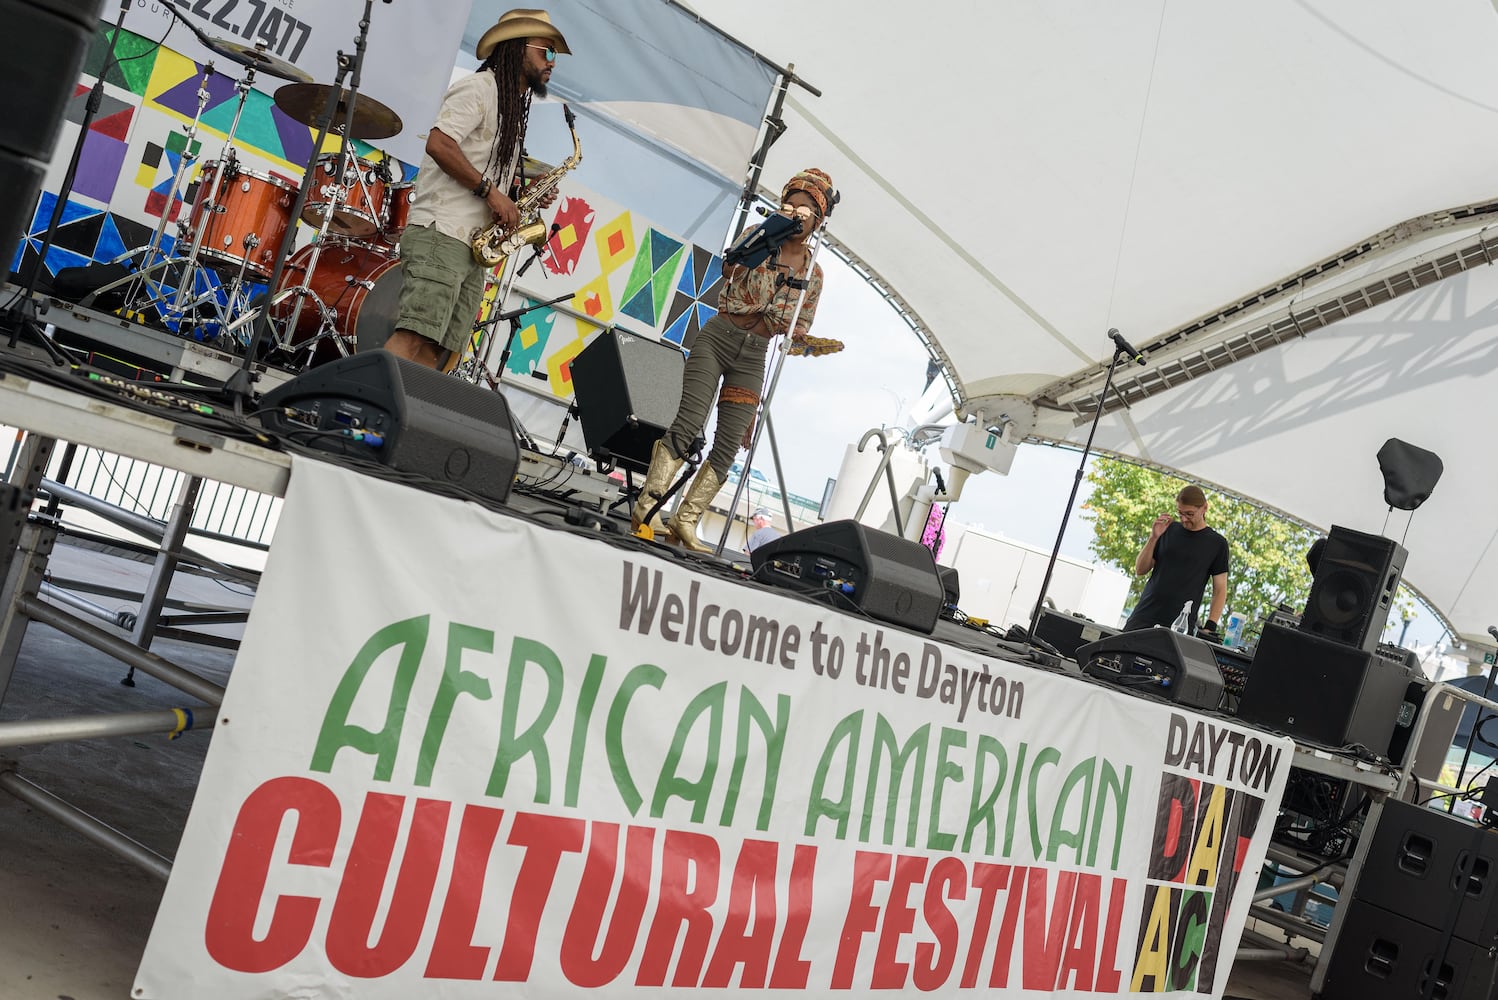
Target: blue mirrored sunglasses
551, 53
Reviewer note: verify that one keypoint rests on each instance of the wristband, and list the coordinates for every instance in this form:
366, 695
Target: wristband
482, 188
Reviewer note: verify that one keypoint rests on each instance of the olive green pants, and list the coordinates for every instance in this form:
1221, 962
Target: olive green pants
721, 353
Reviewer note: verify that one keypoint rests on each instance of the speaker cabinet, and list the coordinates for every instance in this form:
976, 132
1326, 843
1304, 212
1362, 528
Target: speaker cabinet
849, 564
628, 389
1383, 955
1353, 588
1069, 632
429, 424
1323, 691
48, 42
1413, 868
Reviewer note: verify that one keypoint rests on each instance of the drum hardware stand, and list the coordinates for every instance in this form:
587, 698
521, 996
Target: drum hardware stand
1121, 349
142, 291
20, 314
240, 386
226, 157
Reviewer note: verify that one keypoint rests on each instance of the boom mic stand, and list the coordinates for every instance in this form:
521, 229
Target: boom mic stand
1121, 349
20, 313
513, 316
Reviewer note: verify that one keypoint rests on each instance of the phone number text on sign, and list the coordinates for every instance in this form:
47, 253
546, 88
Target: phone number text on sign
259, 22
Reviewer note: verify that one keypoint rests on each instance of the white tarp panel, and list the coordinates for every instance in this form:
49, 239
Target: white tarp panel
1028, 174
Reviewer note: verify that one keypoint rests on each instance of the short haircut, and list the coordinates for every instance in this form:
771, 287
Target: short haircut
1192, 496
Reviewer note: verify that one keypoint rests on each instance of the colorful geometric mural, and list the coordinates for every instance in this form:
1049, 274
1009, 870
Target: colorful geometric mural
696, 298
574, 220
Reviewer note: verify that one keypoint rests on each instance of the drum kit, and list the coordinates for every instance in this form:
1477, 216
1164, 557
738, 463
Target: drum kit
337, 294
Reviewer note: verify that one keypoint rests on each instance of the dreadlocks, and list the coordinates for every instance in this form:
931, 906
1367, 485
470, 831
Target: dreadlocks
507, 63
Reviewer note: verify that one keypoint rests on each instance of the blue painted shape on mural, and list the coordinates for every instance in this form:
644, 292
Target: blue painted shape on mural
662, 249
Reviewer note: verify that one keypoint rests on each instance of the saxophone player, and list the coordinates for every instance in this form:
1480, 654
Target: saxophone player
472, 153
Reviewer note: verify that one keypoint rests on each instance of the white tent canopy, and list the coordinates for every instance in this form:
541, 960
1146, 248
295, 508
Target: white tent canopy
1236, 187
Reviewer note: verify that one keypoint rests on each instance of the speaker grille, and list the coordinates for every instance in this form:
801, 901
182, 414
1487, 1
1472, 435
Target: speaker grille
628, 389
1353, 589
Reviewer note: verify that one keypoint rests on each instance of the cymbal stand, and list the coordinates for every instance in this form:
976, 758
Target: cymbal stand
226, 156
142, 290
240, 385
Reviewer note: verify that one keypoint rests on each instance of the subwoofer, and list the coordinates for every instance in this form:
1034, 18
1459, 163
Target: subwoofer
850, 565
377, 406
1355, 579
627, 389
1323, 691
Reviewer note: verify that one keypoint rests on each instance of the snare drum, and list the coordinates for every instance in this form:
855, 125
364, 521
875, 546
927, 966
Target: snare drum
250, 220
398, 206
361, 210
360, 283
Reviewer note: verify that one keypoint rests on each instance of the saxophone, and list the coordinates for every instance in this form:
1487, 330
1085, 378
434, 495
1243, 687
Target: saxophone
493, 243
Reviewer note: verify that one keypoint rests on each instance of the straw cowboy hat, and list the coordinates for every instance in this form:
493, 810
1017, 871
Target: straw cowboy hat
521, 23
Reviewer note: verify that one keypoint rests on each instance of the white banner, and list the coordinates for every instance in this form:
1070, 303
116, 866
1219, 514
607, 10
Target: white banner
407, 65
461, 750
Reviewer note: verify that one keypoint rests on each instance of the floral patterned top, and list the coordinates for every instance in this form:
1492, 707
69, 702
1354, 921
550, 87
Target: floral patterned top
767, 290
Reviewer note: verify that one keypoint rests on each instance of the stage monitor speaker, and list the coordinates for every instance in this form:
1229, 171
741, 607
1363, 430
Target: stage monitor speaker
854, 566
48, 42
1323, 691
1383, 955
628, 389
1157, 661
431, 425
1353, 587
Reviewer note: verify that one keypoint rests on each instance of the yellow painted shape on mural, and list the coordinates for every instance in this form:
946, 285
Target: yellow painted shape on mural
145, 176
615, 243
529, 336
558, 375
565, 237
594, 300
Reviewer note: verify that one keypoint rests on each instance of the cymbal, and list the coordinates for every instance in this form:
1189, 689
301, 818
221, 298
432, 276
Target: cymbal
259, 59
304, 102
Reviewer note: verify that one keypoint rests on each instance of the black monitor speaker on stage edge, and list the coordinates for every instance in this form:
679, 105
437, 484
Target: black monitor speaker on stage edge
853, 566
431, 424
627, 389
48, 42
1353, 587
1157, 661
1324, 691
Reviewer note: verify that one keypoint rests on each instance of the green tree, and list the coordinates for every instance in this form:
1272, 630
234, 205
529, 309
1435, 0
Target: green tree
1266, 551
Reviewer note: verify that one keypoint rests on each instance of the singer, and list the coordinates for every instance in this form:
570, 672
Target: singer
472, 155
1180, 557
754, 307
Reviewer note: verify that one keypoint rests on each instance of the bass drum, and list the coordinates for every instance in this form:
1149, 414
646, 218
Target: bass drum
360, 284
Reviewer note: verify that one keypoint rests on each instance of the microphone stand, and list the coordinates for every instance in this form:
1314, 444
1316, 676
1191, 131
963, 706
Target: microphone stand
239, 387
20, 315
1119, 351
513, 316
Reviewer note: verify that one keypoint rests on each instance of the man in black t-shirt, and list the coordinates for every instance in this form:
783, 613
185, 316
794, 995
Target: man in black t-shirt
1181, 556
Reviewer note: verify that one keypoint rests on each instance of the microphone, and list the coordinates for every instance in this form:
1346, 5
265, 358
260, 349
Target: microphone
1126, 348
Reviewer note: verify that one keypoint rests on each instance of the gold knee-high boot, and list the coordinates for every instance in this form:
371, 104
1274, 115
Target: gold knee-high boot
658, 478
683, 523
